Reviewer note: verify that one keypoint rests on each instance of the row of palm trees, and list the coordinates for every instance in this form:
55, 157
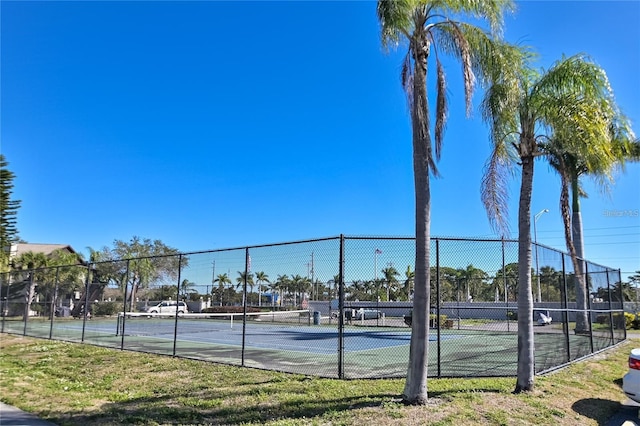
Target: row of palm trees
294, 286
565, 115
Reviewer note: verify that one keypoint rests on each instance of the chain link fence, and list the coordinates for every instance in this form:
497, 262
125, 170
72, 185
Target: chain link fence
335, 307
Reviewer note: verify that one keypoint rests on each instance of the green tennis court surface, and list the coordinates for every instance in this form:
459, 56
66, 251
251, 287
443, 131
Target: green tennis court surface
301, 347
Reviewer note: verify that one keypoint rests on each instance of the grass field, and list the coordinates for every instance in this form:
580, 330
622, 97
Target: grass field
74, 384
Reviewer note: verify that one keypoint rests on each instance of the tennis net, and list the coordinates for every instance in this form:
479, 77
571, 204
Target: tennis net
144, 324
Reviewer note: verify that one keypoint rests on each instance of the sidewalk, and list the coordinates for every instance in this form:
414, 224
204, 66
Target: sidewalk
12, 416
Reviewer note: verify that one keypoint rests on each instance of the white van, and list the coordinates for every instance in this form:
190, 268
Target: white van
168, 307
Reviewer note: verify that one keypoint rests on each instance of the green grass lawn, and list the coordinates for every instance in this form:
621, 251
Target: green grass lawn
74, 384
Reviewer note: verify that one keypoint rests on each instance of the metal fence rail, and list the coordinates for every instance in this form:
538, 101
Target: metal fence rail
334, 307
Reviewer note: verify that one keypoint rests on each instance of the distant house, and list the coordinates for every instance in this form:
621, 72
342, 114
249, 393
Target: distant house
46, 249
22, 295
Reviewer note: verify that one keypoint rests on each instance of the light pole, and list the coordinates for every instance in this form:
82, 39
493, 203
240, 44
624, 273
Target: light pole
535, 242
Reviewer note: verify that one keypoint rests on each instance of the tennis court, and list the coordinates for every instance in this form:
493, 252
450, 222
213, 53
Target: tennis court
291, 342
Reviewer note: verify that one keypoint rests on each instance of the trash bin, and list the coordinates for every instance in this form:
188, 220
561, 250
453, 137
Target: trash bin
316, 318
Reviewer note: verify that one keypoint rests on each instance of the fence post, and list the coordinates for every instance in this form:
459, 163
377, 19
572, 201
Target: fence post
506, 290
438, 340
124, 307
28, 301
53, 303
622, 300
5, 305
247, 261
565, 303
86, 300
341, 309
589, 307
175, 325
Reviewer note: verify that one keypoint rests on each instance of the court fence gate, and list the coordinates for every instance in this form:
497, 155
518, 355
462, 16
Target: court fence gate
338, 307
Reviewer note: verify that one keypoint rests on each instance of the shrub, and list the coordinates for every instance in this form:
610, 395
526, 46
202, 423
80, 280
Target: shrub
106, 308
442, 321
628, 320
619, 320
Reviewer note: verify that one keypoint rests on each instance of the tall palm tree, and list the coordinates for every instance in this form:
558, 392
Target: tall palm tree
35, 263
222, 280
390, 279
240, 280
523, 113
283, 283
187, 287
425, 25
299, 284
408, 282
571, 166
261, 277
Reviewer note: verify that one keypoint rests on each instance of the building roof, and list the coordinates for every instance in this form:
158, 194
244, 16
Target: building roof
47, 249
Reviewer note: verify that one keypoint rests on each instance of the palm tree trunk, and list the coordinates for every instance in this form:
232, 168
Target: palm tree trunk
582, 320
415, 390
525, 374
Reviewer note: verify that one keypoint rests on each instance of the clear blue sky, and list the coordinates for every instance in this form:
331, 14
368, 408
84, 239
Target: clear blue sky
223, 124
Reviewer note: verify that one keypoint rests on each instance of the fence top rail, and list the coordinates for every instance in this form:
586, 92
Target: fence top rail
88, 264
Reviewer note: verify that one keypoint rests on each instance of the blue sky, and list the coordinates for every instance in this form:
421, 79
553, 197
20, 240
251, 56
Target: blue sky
223, 124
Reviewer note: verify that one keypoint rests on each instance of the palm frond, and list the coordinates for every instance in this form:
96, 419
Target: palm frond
451, 40
394, 17
441, 108
490, 11
406, 76
494, 188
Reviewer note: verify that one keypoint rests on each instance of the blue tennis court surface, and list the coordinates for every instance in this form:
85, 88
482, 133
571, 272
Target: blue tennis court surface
293, 337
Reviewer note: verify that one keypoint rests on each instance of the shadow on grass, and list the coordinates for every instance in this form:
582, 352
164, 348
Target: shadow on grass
173, 409
598, 409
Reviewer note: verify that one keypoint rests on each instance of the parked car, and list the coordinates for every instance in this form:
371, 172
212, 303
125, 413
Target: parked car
367, 314
168, 307
631, 380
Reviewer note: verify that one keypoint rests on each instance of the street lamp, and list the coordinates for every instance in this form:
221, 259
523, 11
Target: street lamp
535, 242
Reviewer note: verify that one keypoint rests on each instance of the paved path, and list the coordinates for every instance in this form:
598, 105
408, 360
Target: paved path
12, 416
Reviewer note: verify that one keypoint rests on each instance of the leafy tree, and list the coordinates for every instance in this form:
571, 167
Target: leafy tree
506, 280
357, 291
473, 279
424, 25
139, 263
524, 112
163, 292
550, 284
8, 211
450, 284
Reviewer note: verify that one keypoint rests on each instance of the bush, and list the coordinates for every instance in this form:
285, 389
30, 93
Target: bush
106, 308
442, 321
602, 319
619, 320
629, 319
